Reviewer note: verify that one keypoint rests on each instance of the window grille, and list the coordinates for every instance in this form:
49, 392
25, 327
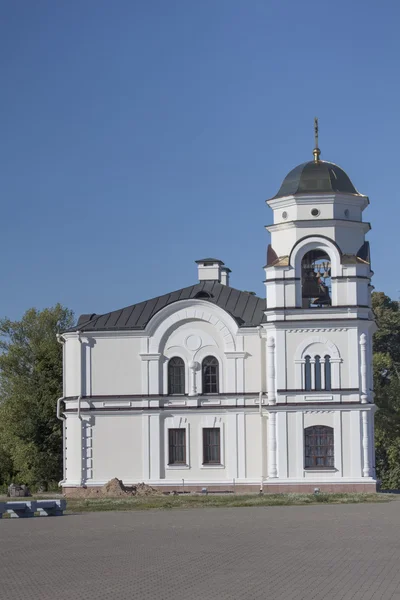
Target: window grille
176, 376
177, 446
318, 447
210, 370
211, 446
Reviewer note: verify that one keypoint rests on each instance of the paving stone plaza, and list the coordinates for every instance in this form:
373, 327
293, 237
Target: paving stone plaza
340, 552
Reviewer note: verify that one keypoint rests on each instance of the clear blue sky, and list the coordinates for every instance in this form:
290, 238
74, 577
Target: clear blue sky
137, 137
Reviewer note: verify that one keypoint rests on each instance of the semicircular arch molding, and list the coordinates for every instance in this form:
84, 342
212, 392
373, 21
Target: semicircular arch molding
305, 345
316, 242
191, 310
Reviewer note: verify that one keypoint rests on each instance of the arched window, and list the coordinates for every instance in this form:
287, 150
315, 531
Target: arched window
320, 378
307, 374
328, 383
210, 371
176, 376
318, 447
317, 367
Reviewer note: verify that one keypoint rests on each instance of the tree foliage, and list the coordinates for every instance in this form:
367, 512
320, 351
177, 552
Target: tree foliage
30, 383
387, 389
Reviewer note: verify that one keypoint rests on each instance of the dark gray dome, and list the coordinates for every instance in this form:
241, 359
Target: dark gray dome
315, 177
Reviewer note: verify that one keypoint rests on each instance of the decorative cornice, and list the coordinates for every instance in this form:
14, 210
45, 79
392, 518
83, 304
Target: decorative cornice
328, 198
107, 397
249, 330
289, 407
322, 406
317, 224
332, 391
236, 354
317, 412
154, 356
117, 333
318, 330
321, 311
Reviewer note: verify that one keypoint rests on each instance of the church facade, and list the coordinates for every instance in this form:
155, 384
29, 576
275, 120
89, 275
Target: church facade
212, 387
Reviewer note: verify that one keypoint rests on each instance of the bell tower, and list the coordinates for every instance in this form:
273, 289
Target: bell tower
320, 324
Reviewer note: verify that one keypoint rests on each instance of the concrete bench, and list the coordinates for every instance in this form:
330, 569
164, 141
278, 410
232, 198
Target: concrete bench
18, 510
51, 508
24, 509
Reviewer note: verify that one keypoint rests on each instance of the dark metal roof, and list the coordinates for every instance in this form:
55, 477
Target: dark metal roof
316, 177
245, 308
209, 260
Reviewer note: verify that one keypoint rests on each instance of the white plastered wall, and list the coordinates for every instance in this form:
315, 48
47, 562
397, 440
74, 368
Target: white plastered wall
329, 341
192, 330
240, 438
120, 364
348, 237
347, 436
102, 365
72, 366
116, 366
73, 462
193, 341
117, 447
254, 363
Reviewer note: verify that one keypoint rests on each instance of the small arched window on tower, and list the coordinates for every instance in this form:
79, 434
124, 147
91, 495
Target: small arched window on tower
210, 372
176, 376
317, 373
307, 374
327, 372
316, 279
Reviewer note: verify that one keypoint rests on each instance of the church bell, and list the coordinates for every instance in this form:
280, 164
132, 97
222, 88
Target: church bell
323, 298
314, 288
311, 287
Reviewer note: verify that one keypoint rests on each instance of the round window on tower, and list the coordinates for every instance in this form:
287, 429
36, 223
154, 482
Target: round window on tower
315, 212
347, 213
284, 215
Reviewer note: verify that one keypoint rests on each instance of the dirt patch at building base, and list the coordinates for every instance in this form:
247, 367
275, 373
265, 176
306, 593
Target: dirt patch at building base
114, 488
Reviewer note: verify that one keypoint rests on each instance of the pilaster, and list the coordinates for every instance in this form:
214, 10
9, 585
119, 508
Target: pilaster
365, 443
363, 368
241, 445
154, 427
150, 373
282, 442
338, 444
272, 464
271, 384
232, 446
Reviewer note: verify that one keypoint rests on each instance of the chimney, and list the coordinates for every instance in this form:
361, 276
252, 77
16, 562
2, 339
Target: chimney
225, 275
213, 269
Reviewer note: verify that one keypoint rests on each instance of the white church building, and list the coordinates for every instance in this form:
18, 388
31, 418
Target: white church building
212, 387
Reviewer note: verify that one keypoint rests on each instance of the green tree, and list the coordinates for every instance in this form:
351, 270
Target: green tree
30, 382
387, 389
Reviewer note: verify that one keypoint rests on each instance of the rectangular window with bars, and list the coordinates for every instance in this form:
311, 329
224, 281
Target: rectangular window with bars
177, 446
211, 446
319, 447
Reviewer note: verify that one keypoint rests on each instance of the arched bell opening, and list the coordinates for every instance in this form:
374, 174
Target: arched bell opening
316, 279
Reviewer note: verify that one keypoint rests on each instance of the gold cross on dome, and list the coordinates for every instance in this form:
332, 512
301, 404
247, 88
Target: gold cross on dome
316, 150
